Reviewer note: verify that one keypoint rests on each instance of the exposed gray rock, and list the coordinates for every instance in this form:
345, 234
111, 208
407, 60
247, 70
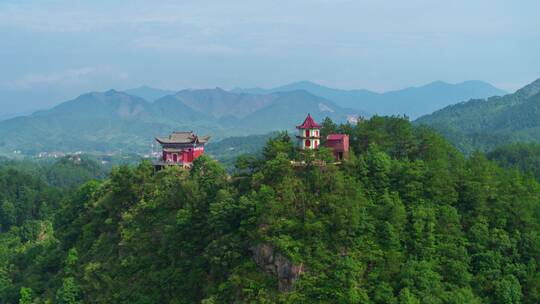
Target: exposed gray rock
275, 263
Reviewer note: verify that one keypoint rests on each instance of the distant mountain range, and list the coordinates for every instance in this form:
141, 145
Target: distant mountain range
116, 121
483, 124
127, 121
412, 102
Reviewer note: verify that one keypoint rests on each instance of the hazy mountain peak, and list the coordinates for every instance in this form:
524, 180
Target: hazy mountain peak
112, 92
412, 101
220, 103
301, 85
111, 95
214, 93
436, 83
102, 104
468, 84
477, 82
305, 83
149, 93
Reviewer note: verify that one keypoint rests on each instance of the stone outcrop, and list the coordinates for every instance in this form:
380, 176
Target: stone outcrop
275, 263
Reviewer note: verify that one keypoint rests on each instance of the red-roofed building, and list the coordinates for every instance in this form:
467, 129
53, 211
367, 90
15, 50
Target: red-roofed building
309, 123
181, 148
309, 137
339, 143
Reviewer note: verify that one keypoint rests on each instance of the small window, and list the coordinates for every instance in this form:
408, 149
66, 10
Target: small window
307, 132
308, 143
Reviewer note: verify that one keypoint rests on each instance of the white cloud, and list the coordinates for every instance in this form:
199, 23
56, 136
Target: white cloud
31, 80
378, 44
63, 78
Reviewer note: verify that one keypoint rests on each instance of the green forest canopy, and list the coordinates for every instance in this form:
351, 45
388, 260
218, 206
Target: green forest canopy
408, 219
486, 124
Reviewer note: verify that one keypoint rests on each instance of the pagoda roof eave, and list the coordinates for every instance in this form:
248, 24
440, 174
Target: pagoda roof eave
191, 140
309, 123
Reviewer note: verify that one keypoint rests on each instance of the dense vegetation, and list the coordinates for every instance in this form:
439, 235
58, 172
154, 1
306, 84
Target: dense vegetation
63, 173
487, 124
407, 219
521, 156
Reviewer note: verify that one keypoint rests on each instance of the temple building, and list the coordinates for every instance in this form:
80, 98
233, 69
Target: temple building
339, 143
309, 134
180, 148
309, 138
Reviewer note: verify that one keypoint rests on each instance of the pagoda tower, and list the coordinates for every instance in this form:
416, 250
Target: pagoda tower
309, 134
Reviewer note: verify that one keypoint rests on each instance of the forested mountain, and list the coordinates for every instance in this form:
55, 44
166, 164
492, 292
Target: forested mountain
408, 219
92, 122
484, 124
65, 173
220, 103
412, 102
117, 122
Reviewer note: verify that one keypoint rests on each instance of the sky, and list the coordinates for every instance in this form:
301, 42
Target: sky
55, 50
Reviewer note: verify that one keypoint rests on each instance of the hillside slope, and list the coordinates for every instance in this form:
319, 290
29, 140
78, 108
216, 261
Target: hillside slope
487, 123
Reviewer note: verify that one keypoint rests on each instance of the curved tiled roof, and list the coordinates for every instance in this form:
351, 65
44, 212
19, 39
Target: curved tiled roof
309, 123
182, 138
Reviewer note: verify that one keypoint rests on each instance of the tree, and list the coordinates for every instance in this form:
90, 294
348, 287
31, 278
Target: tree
25, 296
508, 291
327, 127
69, 292
7, 215
281, 143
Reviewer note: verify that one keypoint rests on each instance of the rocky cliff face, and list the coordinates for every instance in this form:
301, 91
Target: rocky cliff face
276, 264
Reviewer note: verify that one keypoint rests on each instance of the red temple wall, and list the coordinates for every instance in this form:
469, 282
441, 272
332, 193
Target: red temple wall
185, 156
339, 145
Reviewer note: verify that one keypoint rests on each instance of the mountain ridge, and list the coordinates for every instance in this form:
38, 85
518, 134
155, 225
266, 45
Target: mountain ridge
149, 93
115, 121
487, 123
412, 101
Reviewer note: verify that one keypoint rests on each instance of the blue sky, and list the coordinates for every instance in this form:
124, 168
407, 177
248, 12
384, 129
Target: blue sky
53, 50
